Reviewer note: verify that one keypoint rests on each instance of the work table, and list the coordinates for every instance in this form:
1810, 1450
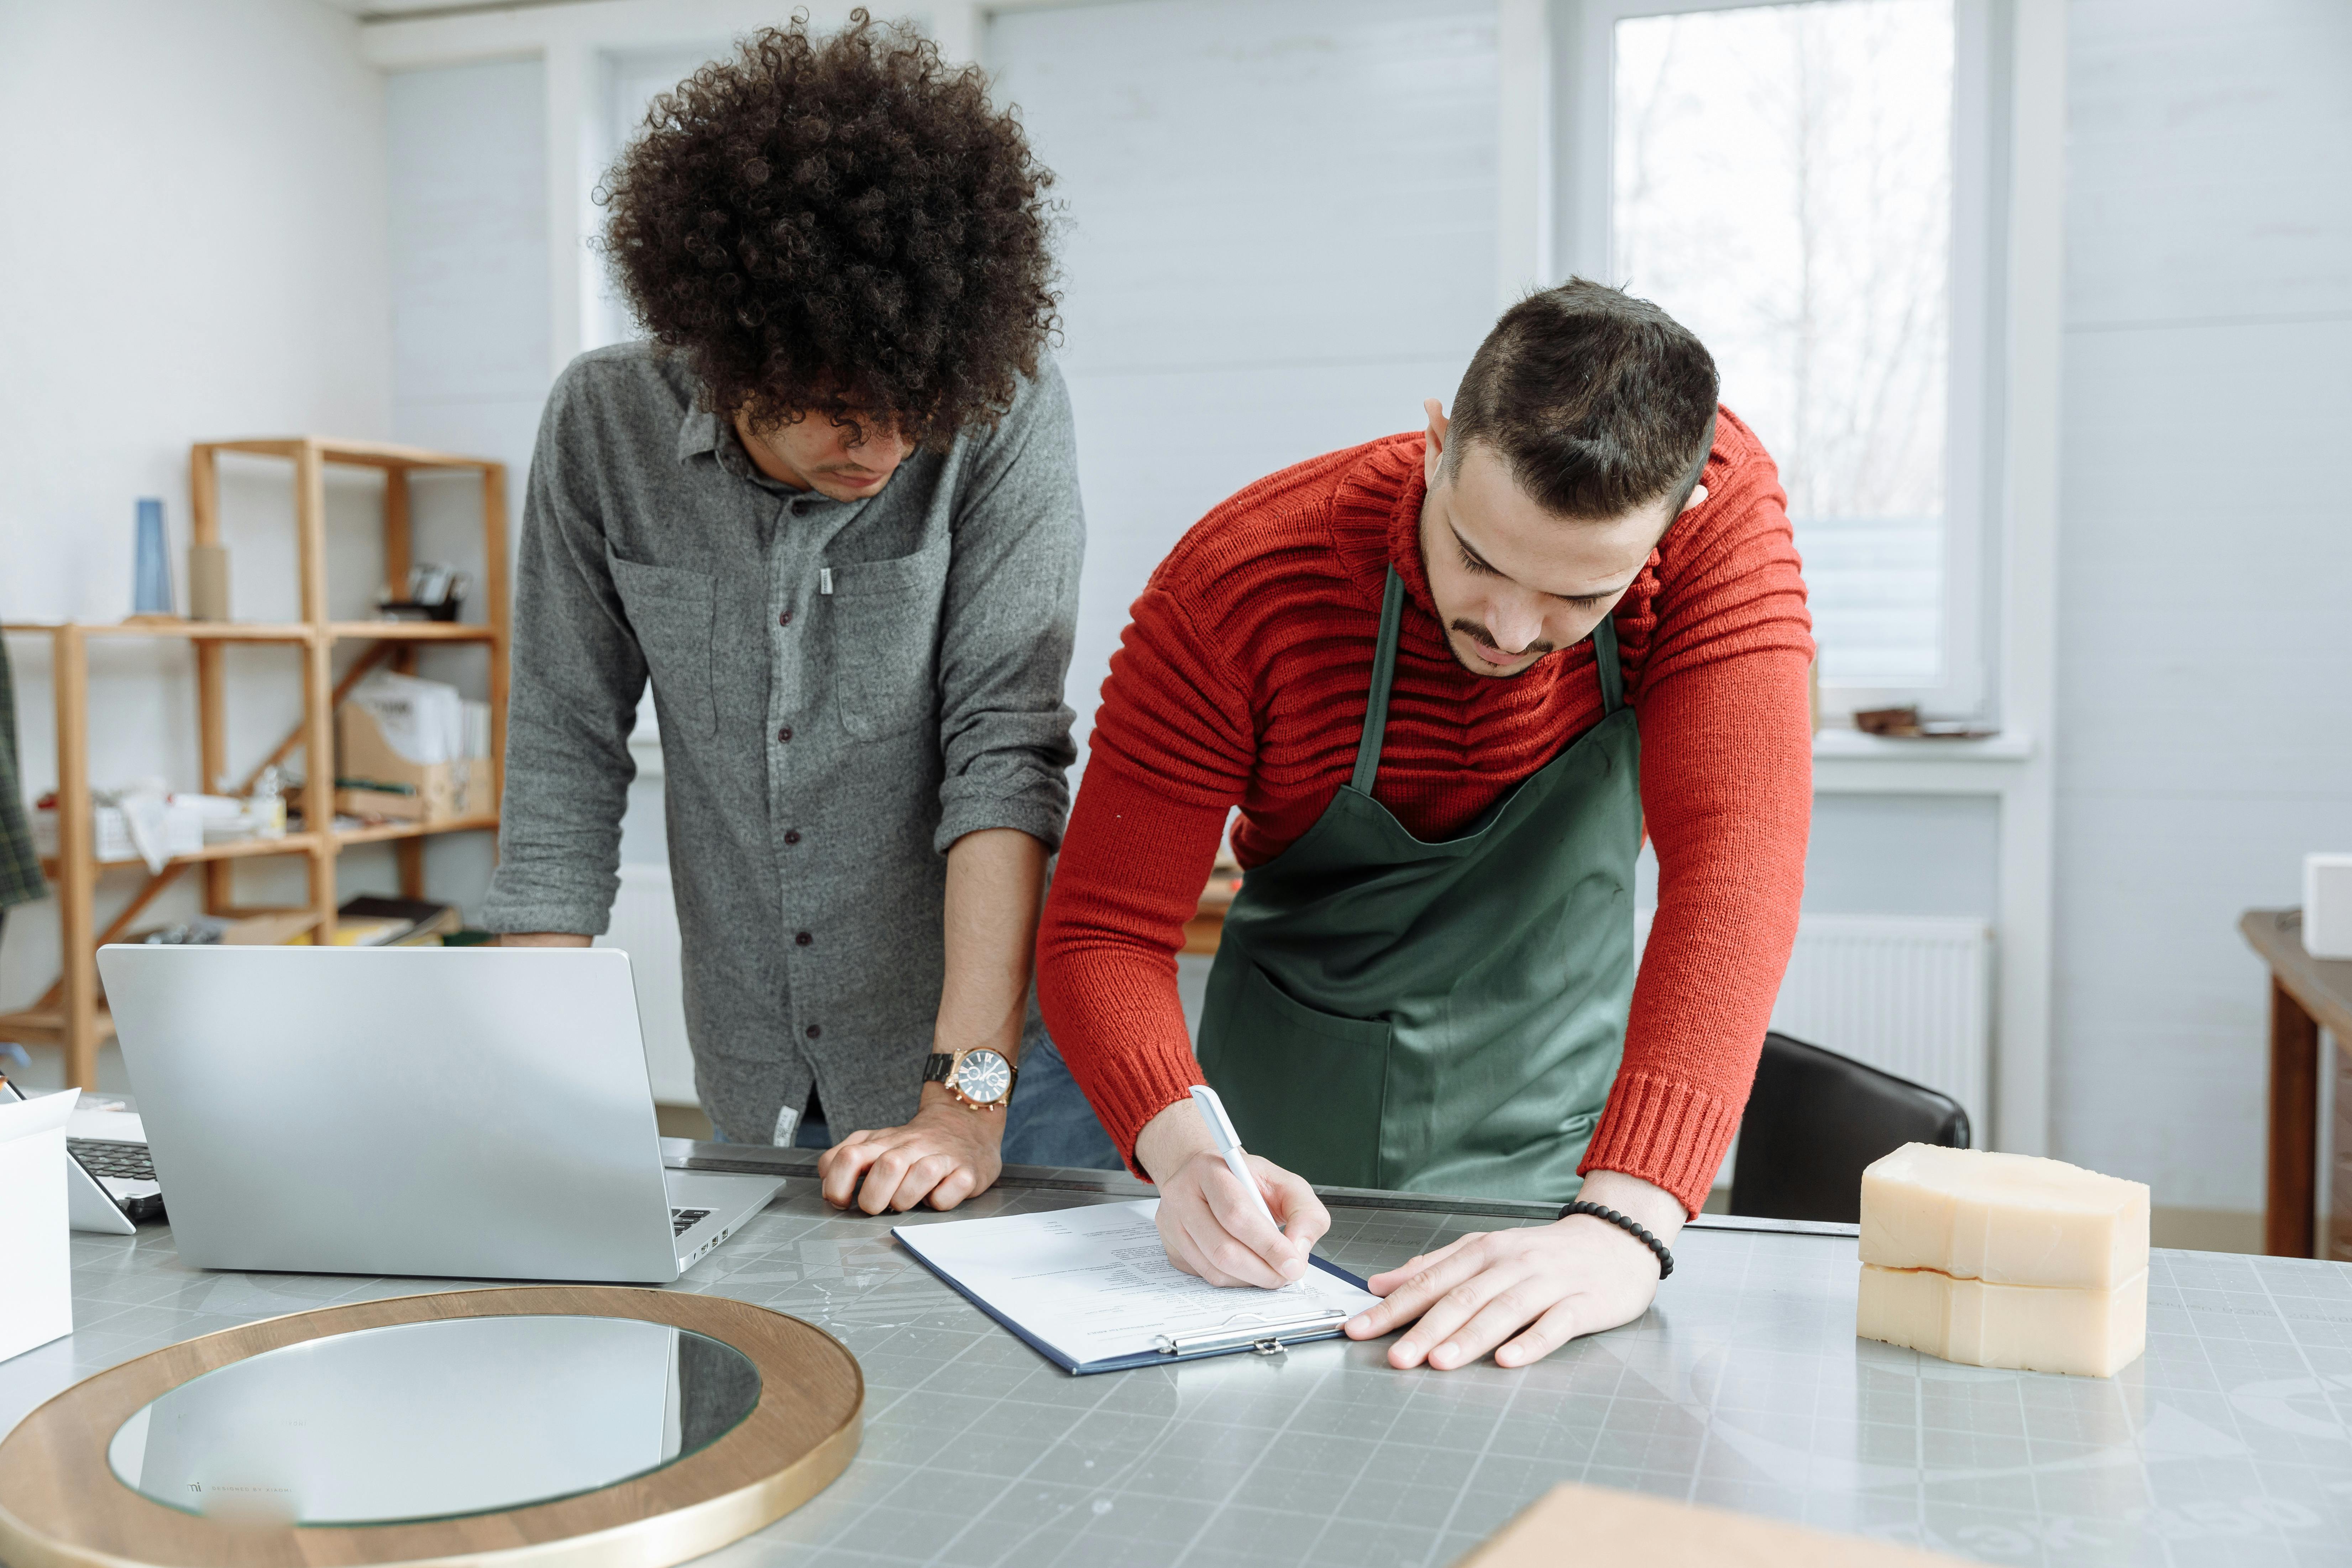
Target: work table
1743, 1387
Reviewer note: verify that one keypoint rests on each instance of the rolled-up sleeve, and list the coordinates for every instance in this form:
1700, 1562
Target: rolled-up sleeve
1008, 622
577, 676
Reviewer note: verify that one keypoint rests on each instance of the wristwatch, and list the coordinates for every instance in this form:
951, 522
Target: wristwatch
979, 1078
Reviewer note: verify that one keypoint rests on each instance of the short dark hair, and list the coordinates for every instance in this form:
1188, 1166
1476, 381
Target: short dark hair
826, 224
1597, 402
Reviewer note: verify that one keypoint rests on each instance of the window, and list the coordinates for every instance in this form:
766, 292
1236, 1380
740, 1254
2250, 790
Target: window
627, 83
1803, 186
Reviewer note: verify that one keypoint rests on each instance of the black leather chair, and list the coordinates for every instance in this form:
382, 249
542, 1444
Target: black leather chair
1815, 1118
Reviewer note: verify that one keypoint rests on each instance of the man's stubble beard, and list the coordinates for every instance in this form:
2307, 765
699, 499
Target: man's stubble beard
1534, 653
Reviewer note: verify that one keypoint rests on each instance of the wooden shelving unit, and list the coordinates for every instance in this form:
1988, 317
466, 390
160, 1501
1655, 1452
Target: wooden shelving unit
73, 1013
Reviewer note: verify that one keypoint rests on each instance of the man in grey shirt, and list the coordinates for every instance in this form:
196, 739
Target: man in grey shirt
831, 510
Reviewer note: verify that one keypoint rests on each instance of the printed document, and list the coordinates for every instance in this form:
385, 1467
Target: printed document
1095, 1283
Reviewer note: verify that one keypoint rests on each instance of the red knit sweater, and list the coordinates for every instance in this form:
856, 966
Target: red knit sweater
1242, 678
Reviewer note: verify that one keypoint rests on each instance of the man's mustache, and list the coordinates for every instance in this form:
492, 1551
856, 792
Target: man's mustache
1485, 638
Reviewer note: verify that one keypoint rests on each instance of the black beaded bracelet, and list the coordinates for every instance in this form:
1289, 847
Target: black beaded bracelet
1628, 1224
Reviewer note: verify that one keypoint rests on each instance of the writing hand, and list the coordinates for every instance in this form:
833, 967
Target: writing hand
1206, 1220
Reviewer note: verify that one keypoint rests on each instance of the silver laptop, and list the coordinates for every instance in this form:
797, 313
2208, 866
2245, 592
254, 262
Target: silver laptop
475, 1112
110, 1181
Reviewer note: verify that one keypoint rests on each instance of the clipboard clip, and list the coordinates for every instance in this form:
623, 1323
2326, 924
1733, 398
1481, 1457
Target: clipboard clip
1266, 1336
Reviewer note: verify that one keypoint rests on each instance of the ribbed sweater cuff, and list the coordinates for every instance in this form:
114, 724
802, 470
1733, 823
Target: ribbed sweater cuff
1668, 1134
1129, 1087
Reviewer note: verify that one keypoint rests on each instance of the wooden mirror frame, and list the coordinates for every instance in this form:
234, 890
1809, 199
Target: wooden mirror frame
62, 1506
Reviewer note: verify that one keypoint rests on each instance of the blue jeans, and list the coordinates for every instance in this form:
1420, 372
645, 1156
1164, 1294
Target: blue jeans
1048, 1123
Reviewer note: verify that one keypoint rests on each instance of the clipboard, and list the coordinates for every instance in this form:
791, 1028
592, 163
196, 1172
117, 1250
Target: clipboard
1262, 1322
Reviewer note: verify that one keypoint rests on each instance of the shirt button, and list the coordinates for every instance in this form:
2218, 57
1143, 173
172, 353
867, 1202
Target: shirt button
813, 1031
791, 836
786, 734
785, 619
802, 940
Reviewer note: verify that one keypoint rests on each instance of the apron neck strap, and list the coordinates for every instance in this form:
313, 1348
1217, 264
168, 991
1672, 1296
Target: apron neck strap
1605, 661
1376, 706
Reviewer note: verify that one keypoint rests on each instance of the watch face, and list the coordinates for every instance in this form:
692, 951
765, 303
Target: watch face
983, 1076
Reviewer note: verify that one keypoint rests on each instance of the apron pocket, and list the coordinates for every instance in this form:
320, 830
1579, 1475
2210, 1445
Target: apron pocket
1304, 1089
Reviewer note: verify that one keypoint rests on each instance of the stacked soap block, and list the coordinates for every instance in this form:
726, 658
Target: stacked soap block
2003, 1260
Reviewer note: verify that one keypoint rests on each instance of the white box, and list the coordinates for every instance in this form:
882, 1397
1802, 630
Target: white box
183, 832
35, 1256
2328, 906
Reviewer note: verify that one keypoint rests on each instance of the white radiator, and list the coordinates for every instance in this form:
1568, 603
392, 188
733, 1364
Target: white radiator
644, 925
1908, 994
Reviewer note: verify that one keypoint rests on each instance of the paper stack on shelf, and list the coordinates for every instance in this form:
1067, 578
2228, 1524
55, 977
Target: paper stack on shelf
369, 921
139, 823
420, 921
406, 751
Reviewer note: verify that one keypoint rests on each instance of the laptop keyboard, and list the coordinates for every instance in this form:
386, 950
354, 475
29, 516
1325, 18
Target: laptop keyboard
126, 1172
103, 1157
683, 1220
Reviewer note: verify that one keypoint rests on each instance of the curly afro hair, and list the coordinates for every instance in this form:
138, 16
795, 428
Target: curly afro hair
838, 225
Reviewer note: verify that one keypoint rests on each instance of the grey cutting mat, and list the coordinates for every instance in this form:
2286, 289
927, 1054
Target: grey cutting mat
2230, 1442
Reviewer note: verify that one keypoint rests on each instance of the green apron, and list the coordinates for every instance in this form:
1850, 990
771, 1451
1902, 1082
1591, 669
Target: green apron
1438, 1018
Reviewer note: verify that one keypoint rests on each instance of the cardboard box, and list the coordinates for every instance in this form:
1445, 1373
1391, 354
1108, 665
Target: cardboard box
371, 779
36, 1257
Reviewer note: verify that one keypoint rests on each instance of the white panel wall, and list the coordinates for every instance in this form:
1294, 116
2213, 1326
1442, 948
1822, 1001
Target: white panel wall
466, 175
467, 165
191, 245
1281, 240
1282, 236
1890, 855
2205, 672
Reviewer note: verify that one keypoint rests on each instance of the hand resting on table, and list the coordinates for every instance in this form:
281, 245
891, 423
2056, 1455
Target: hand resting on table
1525, 1291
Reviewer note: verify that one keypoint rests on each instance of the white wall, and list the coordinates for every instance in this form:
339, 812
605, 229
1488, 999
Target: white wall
1283, 234
191, 246
1282, 237
1891, 854
2205, 676
466, 174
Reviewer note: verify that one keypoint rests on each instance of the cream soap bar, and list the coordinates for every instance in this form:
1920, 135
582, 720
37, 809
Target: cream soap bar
2007, 1219
2091, 1333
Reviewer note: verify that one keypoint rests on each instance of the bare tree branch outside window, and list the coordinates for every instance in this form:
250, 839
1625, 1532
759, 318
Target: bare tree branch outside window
1784, 185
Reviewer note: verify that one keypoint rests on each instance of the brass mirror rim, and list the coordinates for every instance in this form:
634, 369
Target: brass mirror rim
62, 1506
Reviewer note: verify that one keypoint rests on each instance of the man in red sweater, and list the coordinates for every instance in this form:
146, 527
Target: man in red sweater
1449, 678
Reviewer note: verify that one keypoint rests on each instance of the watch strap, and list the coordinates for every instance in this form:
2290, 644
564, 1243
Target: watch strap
940, 1068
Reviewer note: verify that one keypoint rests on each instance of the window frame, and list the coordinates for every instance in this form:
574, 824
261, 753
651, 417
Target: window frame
614, 114
1585, 155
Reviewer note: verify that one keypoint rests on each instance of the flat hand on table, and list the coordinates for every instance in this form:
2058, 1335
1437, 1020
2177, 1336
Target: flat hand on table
1529, 1292
946, 1153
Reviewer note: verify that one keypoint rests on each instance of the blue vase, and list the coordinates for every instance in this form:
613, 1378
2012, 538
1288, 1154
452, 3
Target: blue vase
150, 589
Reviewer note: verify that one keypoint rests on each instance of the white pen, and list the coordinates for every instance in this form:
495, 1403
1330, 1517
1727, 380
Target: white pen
1229, 1146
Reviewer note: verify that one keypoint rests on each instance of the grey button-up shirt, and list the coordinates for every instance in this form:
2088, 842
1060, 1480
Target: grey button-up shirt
821, 749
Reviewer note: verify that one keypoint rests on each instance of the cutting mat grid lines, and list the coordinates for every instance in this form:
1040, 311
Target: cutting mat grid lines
2230, 1442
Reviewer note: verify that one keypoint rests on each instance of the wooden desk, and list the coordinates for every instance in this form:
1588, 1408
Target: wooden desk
2307, 994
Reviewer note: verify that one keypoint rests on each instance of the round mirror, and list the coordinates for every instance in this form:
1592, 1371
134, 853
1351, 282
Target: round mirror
434, 1420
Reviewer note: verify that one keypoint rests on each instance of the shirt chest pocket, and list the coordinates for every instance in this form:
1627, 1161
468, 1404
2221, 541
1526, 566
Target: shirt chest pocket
885, 626
672, 612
